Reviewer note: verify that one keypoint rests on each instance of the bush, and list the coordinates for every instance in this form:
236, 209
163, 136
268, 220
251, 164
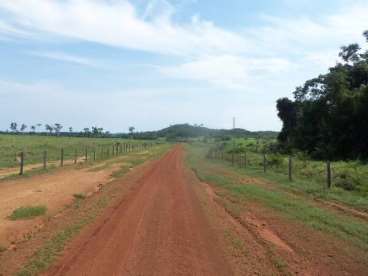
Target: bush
275, 160
344, 181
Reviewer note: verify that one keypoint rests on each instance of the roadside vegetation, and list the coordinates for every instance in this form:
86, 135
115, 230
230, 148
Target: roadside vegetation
328, 116
28, 212
289, 200
349, 178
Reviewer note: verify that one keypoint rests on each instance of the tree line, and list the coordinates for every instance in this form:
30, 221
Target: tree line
55, 129
328, 117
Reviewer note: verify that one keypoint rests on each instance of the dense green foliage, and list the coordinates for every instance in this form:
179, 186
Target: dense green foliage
328, 117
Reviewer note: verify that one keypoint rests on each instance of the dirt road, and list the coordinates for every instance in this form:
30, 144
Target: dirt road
158, 229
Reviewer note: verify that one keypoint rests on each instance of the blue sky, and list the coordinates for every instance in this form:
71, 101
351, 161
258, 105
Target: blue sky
152, 63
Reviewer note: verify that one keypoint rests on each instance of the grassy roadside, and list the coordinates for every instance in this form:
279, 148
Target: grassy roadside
83, 212
349, 178
278, 199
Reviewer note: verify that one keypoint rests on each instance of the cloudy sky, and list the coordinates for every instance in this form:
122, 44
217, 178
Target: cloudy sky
152, 63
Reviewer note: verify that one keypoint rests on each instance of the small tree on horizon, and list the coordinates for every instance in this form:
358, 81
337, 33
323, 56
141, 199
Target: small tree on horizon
58, 128
13, 126
23, 127
86, 131
131, 130
49, 128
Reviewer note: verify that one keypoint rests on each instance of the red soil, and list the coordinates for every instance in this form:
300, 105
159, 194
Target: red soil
169, 223
158, 229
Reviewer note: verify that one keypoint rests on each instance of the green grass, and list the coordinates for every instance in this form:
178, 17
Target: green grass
311, 187
348, 175
278, 199
349, 179
28, 212
47, 254
33, 147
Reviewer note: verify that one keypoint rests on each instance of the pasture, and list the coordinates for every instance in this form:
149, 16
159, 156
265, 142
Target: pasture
34, 146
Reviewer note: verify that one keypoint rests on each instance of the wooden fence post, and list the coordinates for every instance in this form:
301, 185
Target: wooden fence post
21, 163
94, 155
44, 159
328, 172
75, 156
290, 168
264, 163
62, 157
245, 159
232, 159
240, 160
86, 154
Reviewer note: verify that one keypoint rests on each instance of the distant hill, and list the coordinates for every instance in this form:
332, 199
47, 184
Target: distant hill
193, 131
174, 132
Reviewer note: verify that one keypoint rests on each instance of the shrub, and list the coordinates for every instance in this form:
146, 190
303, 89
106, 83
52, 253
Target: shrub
275, 160
346, 181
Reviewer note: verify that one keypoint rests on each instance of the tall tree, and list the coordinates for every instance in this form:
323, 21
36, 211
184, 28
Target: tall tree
329, 116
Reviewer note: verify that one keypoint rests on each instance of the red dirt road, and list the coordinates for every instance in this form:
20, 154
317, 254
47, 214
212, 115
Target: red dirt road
158, 229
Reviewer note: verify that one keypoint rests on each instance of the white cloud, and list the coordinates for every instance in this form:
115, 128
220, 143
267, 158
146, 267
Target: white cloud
117, 23
60, 56
307, 34
229, 72
220, 57
8, 30
302, 47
